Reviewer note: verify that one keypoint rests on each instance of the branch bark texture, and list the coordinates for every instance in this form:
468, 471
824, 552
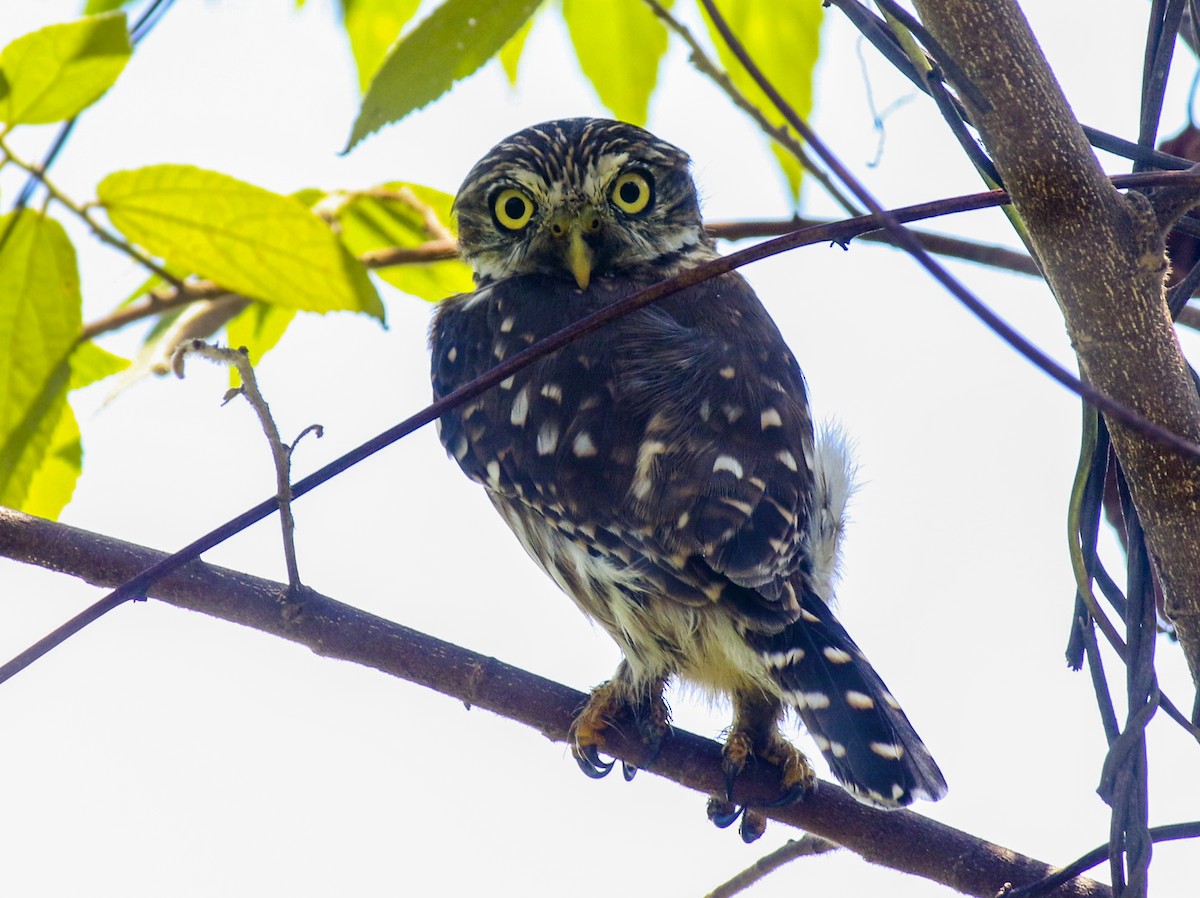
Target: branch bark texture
901, 840
1103, 255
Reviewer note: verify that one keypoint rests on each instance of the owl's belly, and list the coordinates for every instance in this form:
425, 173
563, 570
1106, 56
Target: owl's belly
660, 634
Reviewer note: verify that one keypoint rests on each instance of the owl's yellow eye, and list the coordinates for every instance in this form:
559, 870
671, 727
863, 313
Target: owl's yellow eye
512, 209
632, 193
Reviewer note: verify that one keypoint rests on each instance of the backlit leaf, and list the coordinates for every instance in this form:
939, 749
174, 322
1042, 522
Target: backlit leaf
56, 72
784, 38
40, 319
510, 53
370, 222
249, 240
372, 26
455, 40
620, 44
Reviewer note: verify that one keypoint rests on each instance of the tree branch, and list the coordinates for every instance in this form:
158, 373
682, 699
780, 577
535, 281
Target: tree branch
901, 840
1103, 256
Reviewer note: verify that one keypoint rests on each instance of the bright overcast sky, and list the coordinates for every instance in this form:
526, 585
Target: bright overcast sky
165, 753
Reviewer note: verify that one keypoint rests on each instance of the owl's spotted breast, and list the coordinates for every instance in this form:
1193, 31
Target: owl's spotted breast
715, 482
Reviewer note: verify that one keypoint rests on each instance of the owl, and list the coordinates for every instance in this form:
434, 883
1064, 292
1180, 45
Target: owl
663, 471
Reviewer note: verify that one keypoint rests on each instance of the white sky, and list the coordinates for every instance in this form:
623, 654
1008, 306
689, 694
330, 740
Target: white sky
165, 753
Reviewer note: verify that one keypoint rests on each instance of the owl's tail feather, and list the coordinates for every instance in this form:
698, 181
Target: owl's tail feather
865, 737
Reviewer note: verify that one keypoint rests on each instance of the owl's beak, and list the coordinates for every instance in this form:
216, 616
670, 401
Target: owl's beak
572, 231
579, 258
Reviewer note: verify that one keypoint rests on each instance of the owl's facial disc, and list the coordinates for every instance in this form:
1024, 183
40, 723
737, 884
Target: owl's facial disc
580, 199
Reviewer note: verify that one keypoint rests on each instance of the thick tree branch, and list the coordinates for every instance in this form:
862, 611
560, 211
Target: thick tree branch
900, 840
1102, 254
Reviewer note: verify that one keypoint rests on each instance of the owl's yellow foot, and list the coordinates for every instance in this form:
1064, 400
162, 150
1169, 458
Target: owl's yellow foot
742, 746
755, 737
610, 706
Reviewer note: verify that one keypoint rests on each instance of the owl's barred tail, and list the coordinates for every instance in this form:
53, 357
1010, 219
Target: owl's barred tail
865, 737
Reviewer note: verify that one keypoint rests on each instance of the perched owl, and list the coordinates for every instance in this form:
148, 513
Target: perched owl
662, 470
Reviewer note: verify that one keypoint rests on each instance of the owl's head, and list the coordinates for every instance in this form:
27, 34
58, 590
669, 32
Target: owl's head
580, 198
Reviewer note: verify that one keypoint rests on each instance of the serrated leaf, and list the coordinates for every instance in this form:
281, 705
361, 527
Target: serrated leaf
783, 37
40, 319
56, 72
377, 221
258, 328
510, 53
372, 26
249, 240
91, 363
53, 483
455, 40
619, 44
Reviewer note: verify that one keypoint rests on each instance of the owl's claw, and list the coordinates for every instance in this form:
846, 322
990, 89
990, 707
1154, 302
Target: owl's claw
723, 812
609, 706
588, 759
745, 744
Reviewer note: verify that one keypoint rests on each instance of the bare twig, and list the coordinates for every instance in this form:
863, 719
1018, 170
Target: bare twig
901, 840
281, 453
806, 846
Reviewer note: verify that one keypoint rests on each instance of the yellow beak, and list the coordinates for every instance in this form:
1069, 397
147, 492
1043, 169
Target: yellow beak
579, 257
571, 228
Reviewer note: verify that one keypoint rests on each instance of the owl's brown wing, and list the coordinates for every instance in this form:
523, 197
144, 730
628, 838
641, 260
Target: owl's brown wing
675, 442
723, 468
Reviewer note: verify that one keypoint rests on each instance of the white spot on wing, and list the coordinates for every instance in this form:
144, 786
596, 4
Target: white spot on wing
859, 700
553, 392
784, 659
520, 407
836, 655
730, 464
582, 445
770, 418
728, 372
888, 750
787, 459
493, 472
547, 438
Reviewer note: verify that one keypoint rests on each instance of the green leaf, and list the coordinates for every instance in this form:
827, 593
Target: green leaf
53, 483
510, 53
90, 363
98, 6
56, 72
259, 328
784, 38
372, 26
40, 318
620, 44
455, 40
249, 240
377, 221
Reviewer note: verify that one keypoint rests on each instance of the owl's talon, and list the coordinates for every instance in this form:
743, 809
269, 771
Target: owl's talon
628, 771
588, 759
752, 827
796, 793
722, 812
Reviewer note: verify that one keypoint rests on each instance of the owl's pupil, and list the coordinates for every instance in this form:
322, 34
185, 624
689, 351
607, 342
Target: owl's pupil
630, 192
514, 207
